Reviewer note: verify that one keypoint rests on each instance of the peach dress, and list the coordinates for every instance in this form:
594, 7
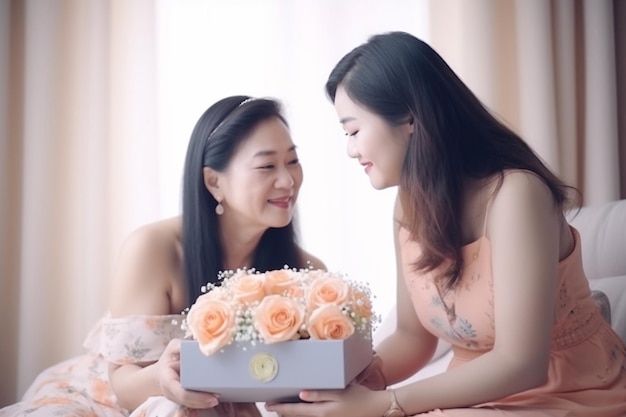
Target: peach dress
79, 387
587, 371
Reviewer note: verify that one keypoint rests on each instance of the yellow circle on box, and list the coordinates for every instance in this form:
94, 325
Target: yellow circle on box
263, 367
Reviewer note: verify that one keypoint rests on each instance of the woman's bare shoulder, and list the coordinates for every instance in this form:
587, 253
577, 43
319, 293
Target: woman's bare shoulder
521, 184
314, 261
512, 185
522, 201
148, 266
158, 238
162, 230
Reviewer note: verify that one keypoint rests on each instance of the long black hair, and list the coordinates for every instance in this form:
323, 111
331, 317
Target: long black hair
401, 78
218, 134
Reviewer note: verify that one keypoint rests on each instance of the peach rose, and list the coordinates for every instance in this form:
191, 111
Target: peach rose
362, 304
248, 288
278, 318
328, 290
329, 322
295, 291
279, 281
211, 322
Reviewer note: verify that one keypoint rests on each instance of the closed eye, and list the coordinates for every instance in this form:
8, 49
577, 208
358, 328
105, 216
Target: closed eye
294, 162
352, 133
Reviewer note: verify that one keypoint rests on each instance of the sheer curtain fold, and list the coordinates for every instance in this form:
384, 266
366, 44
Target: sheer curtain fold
601, 135
536, 78
477, 40
10, 194
563, 61
564, 41
67, 153
619, 13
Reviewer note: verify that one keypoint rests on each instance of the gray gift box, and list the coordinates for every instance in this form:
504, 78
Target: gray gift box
274, 372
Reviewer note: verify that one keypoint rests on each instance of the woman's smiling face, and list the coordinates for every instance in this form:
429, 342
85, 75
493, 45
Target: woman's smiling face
261, 183
378, 146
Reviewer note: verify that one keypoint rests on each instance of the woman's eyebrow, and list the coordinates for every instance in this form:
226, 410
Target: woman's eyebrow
269, 153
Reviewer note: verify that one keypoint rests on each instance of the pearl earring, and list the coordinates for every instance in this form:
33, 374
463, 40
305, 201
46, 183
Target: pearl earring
219, 209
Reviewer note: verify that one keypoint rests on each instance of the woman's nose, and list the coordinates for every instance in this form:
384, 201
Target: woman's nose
285, 179
351, 147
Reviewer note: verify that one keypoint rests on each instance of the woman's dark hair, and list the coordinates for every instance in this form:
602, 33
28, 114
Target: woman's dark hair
401, 78
214, 141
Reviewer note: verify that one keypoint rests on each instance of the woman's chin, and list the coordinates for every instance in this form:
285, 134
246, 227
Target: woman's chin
380, 185
278, 223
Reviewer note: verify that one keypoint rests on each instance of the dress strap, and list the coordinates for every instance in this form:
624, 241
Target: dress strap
487, 207
483, 236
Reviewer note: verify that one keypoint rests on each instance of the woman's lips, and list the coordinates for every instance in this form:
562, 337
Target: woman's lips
282, 202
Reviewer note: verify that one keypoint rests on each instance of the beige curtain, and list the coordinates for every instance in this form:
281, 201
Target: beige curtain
555, 71
77, 128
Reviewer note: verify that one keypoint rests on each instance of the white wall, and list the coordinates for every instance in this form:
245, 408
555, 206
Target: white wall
285, 49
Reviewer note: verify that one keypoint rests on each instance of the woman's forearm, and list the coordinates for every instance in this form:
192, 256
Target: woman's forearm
134, 384
403, 354
487, 378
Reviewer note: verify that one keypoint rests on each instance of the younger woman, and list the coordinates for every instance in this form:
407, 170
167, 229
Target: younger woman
486, 258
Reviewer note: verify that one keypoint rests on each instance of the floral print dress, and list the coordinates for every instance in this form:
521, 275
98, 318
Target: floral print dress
587, 371
79, 387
